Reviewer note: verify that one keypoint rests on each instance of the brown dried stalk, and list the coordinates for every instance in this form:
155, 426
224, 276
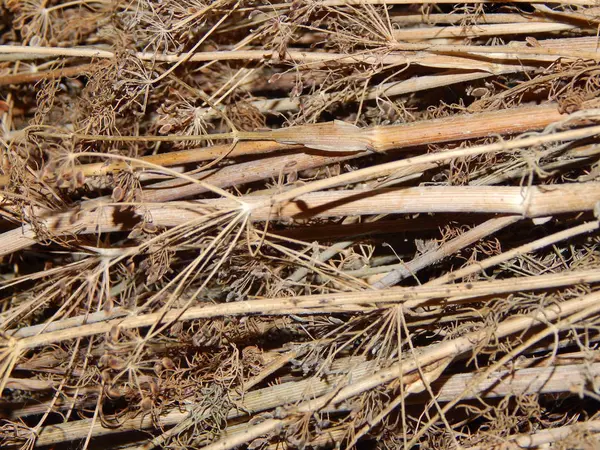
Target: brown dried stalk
410, 297
549, 50
492, 261
370, 172
405, 2
516, 252
338, 136
527, 202
20, 78
418, 34
458, 18
385, 90
381, 139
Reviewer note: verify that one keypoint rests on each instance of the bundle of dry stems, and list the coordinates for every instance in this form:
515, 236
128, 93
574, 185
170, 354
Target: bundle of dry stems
299, 224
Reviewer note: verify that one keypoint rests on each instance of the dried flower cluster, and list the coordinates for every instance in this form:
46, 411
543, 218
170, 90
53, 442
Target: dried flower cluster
299, 224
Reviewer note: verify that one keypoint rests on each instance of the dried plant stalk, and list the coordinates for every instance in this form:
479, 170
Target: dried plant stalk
528, 202
410, 297
340, 137
205, 205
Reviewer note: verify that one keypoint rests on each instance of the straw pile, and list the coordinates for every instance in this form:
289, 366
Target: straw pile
299, 224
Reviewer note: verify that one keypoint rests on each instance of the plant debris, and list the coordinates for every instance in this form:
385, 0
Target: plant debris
299, 224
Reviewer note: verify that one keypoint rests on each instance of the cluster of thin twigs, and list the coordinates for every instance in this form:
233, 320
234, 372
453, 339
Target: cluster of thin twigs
292, 224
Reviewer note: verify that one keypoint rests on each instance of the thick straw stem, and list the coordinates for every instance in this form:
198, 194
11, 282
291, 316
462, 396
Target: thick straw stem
530, 202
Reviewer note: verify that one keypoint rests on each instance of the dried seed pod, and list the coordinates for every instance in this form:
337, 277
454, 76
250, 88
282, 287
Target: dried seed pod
80, 178
176, 328
114, 333
165, 128
153, 387
150, 227
61, 183
35, 41
258, 443
5, 164
292, 177
103, 360
168, 363
74, 217
47, 172
115, 363
62, 285
479, 92
136, 232
106, 375
130, 266
118, 194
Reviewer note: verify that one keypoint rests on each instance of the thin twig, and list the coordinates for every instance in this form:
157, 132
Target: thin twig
411, 297
406, 270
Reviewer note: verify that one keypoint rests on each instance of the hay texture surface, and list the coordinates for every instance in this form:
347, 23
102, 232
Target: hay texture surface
341, 224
